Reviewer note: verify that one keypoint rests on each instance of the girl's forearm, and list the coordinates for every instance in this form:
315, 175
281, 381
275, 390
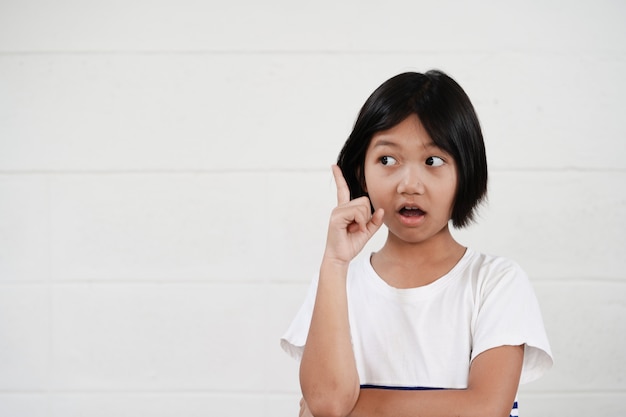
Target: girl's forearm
328, 375
493, 382
390, 403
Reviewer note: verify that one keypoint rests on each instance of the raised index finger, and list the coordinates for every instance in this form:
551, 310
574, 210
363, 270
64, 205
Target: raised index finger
343, 192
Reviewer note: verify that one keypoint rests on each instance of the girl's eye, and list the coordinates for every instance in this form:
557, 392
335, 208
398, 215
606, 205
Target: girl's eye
388, 161
434, 161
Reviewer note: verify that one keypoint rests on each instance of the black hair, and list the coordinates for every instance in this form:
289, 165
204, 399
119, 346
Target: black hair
450, 120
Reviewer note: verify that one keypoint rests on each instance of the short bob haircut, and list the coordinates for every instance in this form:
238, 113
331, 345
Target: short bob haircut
449, 118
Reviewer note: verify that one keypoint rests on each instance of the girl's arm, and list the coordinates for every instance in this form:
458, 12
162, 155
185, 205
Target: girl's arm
492, 386
328, 375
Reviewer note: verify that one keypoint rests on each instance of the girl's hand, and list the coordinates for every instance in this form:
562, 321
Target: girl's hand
351, 223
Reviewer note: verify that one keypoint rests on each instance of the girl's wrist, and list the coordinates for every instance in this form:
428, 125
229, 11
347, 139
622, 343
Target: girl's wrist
334, 266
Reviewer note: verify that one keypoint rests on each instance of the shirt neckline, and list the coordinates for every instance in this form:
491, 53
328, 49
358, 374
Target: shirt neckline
421, 292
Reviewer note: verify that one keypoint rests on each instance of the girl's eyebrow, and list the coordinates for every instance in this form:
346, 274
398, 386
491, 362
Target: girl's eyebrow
431, 145
385, 142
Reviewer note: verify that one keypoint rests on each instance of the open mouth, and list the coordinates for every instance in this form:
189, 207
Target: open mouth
411, 212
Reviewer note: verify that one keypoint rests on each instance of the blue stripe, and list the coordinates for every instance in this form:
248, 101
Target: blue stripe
400, 388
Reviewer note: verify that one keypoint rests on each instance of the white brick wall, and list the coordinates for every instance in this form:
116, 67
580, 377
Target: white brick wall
164, 188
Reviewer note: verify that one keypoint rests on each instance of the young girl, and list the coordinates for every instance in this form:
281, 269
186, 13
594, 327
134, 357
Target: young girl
425, 326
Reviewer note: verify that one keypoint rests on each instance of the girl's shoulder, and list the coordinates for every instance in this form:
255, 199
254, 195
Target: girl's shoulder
488, 273
491, 264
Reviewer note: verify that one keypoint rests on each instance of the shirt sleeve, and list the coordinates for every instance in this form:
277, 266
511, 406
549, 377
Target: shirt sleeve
294, 339
508, 313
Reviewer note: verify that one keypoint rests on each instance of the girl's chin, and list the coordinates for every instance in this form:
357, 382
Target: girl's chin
415, 234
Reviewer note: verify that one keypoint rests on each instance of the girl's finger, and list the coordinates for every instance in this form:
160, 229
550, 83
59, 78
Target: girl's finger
343, 192
363, 217
376, 221
353, 213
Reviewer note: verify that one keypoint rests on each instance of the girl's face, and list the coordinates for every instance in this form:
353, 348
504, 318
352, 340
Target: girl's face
413, 180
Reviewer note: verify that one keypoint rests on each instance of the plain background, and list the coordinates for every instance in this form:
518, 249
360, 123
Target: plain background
165, 188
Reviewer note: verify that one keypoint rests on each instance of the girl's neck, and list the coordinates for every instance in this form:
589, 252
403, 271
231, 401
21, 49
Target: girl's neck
408, 265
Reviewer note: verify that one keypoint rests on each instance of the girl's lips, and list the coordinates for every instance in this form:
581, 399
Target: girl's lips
411, 215
411, 211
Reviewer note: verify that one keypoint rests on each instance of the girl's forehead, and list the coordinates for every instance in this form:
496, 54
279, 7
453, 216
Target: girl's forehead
409, 126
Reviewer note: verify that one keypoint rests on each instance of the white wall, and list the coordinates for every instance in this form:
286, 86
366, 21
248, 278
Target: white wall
165, 186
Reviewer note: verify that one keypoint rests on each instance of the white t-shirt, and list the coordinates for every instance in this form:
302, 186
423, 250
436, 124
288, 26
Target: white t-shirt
426, 337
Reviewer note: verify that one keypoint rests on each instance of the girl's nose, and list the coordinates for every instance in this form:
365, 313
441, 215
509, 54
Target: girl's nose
411, 182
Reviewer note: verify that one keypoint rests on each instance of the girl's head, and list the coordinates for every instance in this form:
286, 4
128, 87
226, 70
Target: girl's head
449, 118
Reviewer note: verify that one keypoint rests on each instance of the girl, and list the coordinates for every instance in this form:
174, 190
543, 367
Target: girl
425, 326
